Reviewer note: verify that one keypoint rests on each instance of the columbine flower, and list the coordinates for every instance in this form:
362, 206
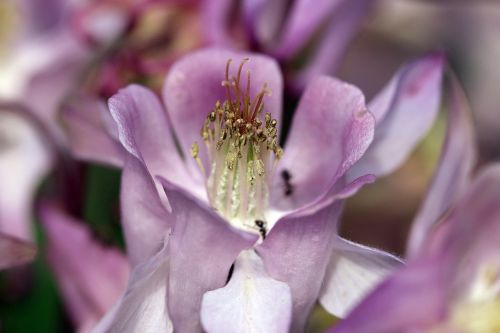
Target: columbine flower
452, 280
318, 31
90, 277
241, 191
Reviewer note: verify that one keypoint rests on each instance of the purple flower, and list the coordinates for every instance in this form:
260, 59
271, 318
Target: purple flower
452, 280
319, 30
233, 195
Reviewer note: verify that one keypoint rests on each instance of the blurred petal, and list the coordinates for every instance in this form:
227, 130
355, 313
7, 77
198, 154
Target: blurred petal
263, 19
404, 111
50, 83
298, 248
144, 218
251, 301
202, 247
354, 270
193, 85
305, 18
143, 307
474, 230
88, 134
215, 17
339, 32
144, 131
453, 174
408, 301
330, 132
15, 252
25, 159
91, 277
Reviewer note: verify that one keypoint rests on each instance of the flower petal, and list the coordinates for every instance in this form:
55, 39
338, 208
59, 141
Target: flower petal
454, 170
298, 248
91, 277
251, 301
420, 295
409, 301
144, 131
263, 20
25, 158
215, 15
144, 217
15, 252
341, 29
330, 132
353, 271
404, 111
303, 21
143, 307
473, 231
86, 119
202, 249
193, 86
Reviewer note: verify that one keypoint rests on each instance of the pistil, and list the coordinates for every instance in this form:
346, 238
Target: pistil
242, 151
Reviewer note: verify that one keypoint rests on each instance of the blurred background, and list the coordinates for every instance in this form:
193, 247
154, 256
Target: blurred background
59, 56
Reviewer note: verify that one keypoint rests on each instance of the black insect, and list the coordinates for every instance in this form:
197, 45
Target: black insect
288, 186
262, 225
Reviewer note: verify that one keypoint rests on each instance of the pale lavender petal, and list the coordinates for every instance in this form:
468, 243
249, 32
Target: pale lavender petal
299, 246
54, 77
304, 20
143, 130
474, 230
343, 25
193, 86
330, 131
404, 111
202, 246
409, 301
88, 134
14, 252
91, 277
354, 270
251, 301
144, 217
454, 170
143, 307
25, 158
419, 296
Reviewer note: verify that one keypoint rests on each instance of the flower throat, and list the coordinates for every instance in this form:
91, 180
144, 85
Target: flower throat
242, 151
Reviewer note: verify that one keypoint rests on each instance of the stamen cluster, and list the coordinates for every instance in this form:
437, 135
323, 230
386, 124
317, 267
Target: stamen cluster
242, 150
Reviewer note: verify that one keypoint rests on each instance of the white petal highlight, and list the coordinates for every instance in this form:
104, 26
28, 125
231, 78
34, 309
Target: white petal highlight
251, 302
354, 270
143, 307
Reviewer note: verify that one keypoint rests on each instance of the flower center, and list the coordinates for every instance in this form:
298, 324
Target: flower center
242, 150
480, 313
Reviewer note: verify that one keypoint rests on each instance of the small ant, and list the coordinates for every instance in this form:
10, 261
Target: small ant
288, 186
262, 225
